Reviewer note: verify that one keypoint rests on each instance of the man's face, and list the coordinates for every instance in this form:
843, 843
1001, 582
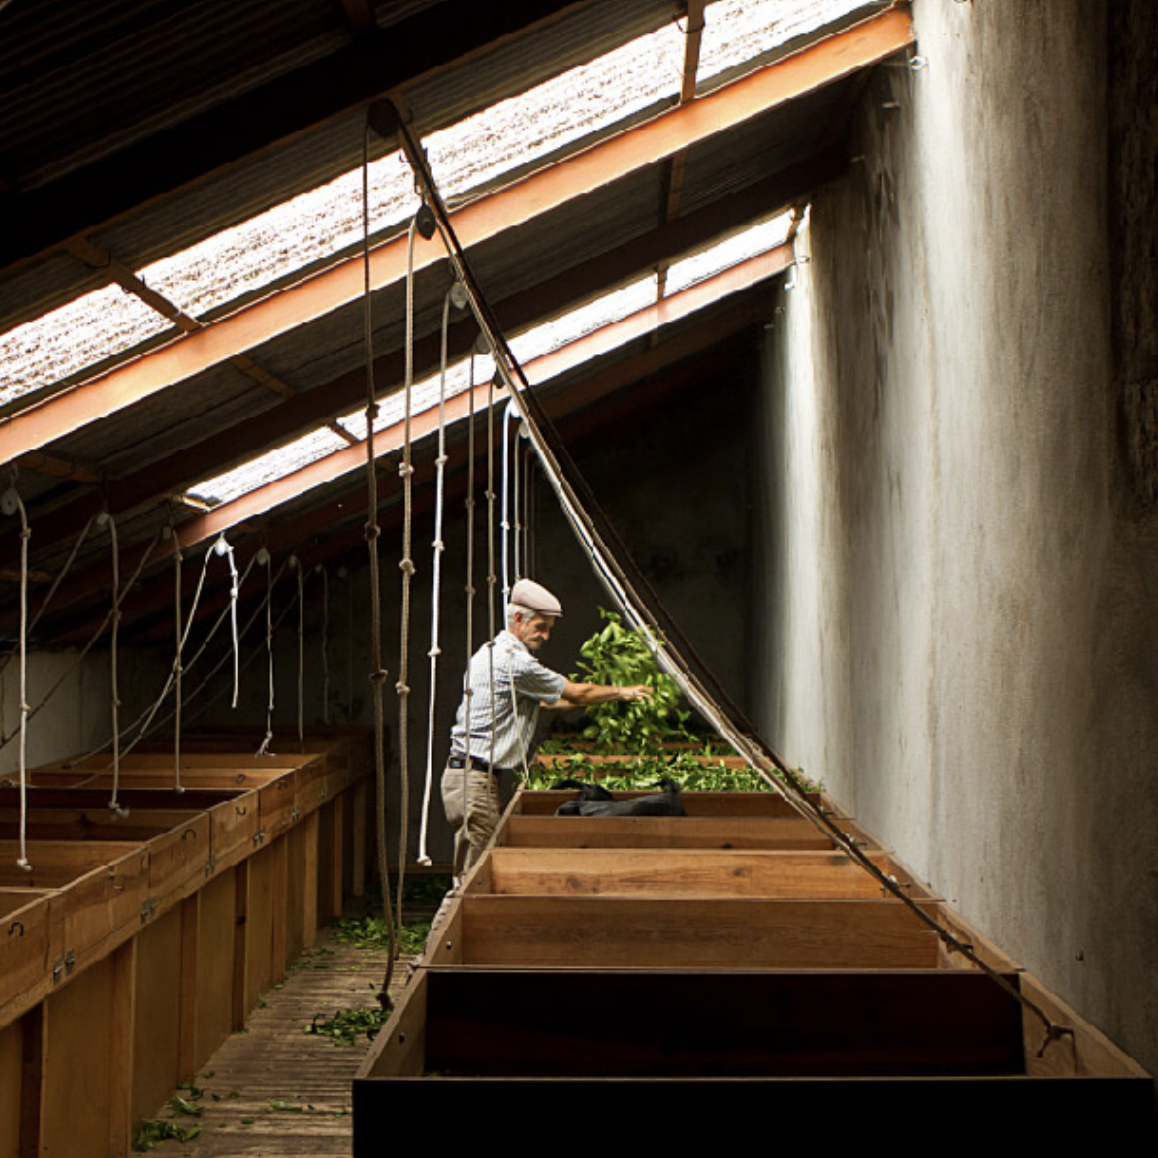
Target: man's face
533, 632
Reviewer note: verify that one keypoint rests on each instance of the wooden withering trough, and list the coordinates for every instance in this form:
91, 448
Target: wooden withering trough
140, 939
654, 974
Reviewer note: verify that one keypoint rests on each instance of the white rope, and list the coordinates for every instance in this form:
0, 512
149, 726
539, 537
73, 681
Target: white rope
406, 566
224, 547
115, 696
178, 666
145, 719
13, 498
492, 576
263, 749
149, 714
506, 521
437, 549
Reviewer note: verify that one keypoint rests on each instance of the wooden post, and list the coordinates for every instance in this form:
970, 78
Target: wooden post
187, 1059
240, 956
122, 1032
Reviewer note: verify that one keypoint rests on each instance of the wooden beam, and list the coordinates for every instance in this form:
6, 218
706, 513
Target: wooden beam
325, 470
776, 85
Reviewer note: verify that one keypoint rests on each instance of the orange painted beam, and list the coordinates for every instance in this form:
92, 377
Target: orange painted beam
812, 68
325, 470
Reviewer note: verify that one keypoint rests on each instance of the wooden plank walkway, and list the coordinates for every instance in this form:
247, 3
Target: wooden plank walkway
274, 1089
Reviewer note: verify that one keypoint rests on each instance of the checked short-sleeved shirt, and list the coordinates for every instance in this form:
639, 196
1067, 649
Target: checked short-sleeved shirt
521, 684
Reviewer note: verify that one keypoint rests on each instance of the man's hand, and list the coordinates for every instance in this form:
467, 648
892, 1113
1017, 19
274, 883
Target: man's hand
634, 694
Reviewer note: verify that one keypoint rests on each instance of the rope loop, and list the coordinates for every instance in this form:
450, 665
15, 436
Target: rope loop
372, 532
379, 676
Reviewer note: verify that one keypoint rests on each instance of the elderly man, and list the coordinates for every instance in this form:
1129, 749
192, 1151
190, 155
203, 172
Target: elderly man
495, 725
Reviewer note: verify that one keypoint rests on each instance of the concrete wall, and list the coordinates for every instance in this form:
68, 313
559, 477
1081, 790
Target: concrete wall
958, 628
76, 716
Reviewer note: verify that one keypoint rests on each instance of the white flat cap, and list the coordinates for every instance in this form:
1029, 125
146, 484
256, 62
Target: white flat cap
533, 597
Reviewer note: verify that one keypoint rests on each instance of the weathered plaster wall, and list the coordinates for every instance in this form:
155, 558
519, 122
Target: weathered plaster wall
76, 717
958, 630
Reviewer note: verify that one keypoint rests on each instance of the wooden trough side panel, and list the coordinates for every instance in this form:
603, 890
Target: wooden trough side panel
718, 932
491, 1023
400, 1047
11, 1081
157, 1007
215, 969
689, 872
31, 938
662, 832
1085, 1052
76, 1092
1033, 1115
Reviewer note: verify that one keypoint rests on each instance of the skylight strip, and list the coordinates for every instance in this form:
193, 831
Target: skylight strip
327, 220
601, 316
63, 342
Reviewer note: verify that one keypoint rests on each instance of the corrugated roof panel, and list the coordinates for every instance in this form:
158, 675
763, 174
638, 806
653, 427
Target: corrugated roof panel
81, 95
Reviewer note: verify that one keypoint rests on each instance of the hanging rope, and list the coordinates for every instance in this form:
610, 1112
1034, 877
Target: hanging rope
178, 666
506, 522
148, 719
60, 576
642, 609
263, 750
224, 547
455, 293
377, 671
406, 566
114, 802
12, 501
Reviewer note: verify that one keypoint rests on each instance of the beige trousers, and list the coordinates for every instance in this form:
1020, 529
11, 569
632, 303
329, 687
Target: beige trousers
471, 801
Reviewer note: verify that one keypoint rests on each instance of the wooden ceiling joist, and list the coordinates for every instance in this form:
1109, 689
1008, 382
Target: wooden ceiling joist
792, 77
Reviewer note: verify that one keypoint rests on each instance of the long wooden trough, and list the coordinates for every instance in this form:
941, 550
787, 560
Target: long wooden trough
659, 978
140, 939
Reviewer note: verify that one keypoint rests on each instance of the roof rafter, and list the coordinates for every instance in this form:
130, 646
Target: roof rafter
592, 345
603, 381
812, 68
178, 470
323, 533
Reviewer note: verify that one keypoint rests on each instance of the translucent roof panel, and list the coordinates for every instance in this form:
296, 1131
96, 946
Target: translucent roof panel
739, 30
739, 247
512, 133
94, 327
306, 229
266, 468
